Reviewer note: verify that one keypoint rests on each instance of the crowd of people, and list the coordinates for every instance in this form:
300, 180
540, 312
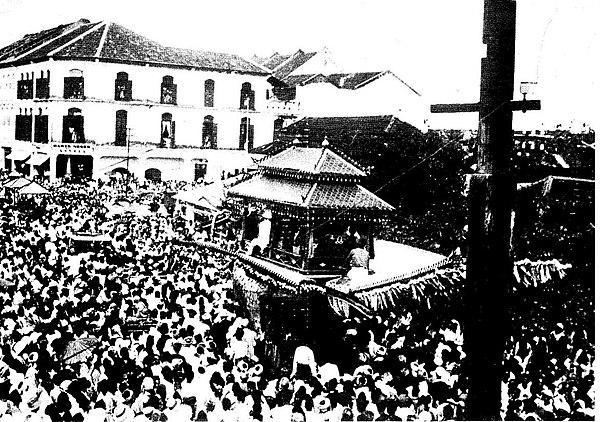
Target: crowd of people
142, 328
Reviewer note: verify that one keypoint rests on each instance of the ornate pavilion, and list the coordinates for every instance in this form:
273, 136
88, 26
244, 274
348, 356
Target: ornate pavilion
318, 208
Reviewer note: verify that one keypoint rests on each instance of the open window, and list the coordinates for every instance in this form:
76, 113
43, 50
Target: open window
168, 91
246, 97
25, 87
42, 85
73, 127
74, 87
246, 134
209, 132
122, 87
41, 128
167, 131
23, 126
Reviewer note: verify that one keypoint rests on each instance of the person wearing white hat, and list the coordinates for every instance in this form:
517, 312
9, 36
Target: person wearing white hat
304, 365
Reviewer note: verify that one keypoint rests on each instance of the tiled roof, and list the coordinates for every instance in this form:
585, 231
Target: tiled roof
346, 197
316, 195
351, 80
267, 188
315, 129
292, 63
312, 161
86, 46
31, 41
294, 80
112, 42
71, 32
274, 61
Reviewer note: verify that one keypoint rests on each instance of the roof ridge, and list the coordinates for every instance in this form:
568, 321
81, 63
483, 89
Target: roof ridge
321, 159
349, 160
77, 38
307, 199
103, 39
69, 28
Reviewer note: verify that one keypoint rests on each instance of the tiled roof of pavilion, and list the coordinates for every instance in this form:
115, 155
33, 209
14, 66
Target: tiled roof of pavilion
314, 195
311, 161
107, 41
310, 178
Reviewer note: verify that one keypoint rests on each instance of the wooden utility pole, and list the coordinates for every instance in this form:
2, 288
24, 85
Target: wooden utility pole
492, 191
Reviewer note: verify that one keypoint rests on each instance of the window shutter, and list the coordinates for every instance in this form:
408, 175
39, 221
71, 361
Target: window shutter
214, 136
79, 127
128, 90
172, 134
242, 135
66, 138
251, 96
41, 129
250, 137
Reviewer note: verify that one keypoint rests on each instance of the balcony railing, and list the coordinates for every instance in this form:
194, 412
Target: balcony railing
287, 107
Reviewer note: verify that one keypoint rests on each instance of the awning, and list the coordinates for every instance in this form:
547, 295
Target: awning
37, 159
18, 155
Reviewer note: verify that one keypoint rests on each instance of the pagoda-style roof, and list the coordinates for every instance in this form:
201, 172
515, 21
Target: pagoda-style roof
322, 163
311, 195
310, 179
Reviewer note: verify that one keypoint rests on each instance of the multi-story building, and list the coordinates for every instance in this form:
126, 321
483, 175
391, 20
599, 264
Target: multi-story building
93, 98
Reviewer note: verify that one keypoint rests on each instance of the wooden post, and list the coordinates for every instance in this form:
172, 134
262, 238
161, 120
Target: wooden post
491, 196
492, 191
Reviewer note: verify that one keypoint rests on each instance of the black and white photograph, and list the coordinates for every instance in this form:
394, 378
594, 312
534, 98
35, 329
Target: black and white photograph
316, 211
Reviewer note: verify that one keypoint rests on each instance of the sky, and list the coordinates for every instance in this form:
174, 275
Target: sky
433, 45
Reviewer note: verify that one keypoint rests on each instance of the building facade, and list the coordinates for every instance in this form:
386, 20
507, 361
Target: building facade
93, 98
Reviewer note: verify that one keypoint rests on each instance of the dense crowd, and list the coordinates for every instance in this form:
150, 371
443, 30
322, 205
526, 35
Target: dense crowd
144, 329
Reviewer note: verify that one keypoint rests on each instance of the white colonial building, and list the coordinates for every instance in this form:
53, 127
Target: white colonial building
315, 85
92, 98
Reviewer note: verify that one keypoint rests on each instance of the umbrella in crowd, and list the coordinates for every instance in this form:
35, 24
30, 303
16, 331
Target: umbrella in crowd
79, 350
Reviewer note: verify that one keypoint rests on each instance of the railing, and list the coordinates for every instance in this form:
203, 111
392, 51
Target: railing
286, 257
291, 107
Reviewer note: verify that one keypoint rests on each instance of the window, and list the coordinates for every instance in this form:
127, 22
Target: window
199, 170
25, 87
73, 127
209, 133
209, 93
246, 97
23, 126
74, 85
122, 87
167, 131
246, 134
121, 128
277, 126
168, 91
41, 128
42, 86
